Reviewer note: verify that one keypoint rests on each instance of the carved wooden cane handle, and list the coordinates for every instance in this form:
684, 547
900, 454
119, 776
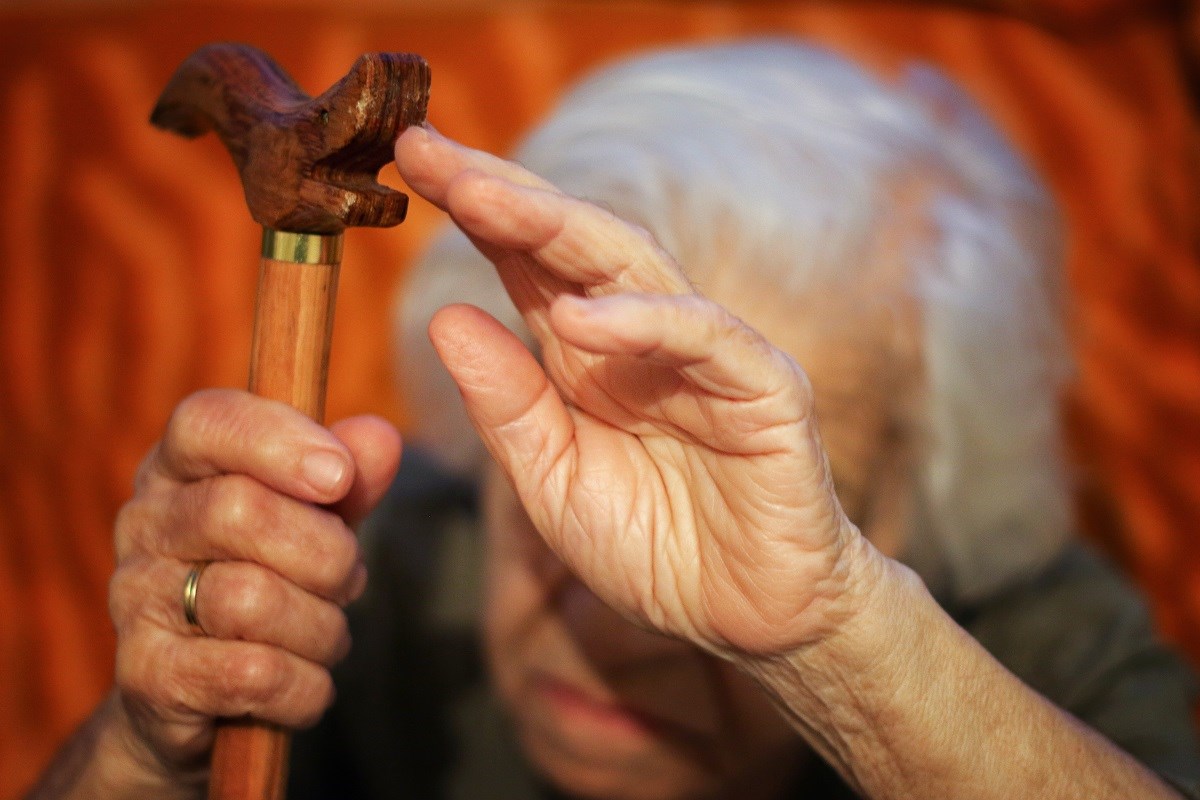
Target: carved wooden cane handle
308, 168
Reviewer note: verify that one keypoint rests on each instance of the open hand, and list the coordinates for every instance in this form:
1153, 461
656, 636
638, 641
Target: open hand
664, 449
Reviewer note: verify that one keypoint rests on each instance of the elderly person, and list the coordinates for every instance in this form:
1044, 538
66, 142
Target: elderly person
714, 547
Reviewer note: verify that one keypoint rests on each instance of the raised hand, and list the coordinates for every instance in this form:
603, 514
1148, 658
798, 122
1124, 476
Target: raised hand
664, 449
263, 494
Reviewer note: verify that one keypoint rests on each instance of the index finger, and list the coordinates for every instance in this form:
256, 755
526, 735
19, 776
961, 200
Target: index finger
428, 162
218, 431
569, 238
507, 210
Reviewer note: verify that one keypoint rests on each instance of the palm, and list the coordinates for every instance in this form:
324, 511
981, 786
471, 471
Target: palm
691, 510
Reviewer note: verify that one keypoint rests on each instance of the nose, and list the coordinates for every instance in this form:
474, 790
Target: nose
605, 637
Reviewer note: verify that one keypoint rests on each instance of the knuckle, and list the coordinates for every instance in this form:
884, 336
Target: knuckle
136, 592
643, 234
337, 557
318, 695
206, 426
145, 470
235, 504
139, 666
194, 414
129, 528
254, 675
143, 526
248, 596
338, 638
122, 594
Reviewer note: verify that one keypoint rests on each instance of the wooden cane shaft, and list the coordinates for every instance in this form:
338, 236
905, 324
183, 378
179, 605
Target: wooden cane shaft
293, 325
289, 362
249, 761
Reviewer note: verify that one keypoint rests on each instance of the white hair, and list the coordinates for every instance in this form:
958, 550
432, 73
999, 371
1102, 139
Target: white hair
780, 162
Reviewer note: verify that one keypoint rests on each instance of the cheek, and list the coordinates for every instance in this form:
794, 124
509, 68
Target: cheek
732, 727
752, 719
510, 605
520, 579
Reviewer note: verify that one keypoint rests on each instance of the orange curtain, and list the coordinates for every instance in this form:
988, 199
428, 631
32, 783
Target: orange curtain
127, 267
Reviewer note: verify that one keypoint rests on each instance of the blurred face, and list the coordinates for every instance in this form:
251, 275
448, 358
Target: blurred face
602, 708
605, 709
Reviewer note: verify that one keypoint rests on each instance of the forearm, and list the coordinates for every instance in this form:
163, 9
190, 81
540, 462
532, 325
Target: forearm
104, 759
904, 703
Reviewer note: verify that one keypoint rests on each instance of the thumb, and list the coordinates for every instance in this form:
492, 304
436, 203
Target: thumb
375, 446
515, 408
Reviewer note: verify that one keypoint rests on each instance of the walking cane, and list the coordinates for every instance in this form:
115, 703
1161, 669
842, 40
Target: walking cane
308, 168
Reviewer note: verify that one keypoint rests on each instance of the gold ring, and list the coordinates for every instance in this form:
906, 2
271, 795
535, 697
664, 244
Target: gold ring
189, 597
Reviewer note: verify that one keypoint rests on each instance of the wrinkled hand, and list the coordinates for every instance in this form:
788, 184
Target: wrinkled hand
666, 451
263, 493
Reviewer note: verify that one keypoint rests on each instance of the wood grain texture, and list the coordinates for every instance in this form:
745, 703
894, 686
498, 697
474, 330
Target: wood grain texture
293, 330
249, 761
289, 362
308, 165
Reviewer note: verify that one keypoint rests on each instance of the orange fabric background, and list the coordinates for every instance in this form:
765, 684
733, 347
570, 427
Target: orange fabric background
128, 261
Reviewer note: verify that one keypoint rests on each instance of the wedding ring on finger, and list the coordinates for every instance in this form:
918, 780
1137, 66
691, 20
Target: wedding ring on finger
190, 585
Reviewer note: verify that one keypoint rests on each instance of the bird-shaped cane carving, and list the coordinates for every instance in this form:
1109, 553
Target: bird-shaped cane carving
308, 164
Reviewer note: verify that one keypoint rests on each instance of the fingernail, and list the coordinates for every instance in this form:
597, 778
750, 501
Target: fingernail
324, 470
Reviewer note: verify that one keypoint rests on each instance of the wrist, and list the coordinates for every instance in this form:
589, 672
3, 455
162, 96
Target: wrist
108, 758
845, 691
902, 702
139, 769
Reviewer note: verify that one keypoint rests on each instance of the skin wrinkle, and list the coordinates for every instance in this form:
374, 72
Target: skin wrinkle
663, 477
196, 769
868, 724
570, 455
756, 430
738, 435
748, 550
552, 462
745, 588
626, 420
837, 346
656, 613
730, 576
531, 299
678, 431
613, 272
614, 278
809, 444
760, 348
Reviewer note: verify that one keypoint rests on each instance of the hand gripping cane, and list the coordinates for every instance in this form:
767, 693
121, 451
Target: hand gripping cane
308, 167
